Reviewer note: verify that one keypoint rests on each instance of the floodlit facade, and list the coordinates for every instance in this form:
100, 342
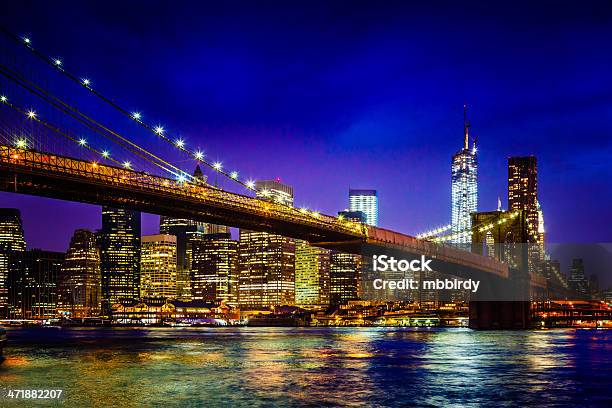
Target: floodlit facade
311, 276
365, 201
12, 244
274, 190
464, 189
120, 256
80, 282
158, 266
214, 270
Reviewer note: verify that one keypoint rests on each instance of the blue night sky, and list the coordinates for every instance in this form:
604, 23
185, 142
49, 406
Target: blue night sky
327, 95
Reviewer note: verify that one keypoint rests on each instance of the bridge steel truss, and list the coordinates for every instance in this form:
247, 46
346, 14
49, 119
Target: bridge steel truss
32, 172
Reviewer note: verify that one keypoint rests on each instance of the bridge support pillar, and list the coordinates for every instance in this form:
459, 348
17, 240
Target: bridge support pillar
499, 315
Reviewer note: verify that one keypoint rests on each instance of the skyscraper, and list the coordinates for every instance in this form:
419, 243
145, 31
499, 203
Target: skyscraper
120, 257
186, 231
214, 269
365, 201
464, 187
523, 195
33, 283
577, 280
267, 261
80, 280
523, 191
158, 266
345, 277
311, 276
12, 244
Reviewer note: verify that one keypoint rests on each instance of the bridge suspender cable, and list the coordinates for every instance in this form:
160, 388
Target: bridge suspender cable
136, 116
91, 123
32, 115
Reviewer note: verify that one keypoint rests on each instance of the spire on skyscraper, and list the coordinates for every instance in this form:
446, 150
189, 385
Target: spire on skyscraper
466, 126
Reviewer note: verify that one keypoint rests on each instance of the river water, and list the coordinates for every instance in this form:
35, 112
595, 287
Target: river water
128, 367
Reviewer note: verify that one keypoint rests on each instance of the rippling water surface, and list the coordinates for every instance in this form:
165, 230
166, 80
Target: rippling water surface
311, 366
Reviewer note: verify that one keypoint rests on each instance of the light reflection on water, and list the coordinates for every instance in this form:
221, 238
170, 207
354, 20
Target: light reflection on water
311, 366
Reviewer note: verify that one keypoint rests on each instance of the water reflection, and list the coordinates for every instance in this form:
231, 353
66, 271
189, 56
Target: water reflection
314, 366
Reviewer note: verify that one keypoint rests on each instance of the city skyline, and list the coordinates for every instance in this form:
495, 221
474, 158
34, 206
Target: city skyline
350, 157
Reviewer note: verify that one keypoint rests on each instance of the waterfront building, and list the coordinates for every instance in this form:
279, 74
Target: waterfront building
312, 281
464, 188
365, 201
214, 269
345, 277
80, 281
266, 262
119, 256
158, 266
12, 245
33, 284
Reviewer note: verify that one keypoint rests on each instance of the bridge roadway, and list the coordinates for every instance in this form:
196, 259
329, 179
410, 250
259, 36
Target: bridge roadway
45, 174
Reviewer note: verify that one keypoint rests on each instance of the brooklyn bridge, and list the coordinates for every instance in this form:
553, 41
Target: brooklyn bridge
52, 147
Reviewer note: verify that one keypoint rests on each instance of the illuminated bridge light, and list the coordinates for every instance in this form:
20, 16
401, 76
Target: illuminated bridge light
217, 166
159, 130
234, 175
250, 184
21, 143
3, 98
86, 82
340, 217
265, 192
181, 179
127, 164
136, 115
27, 40
57, 62
180, 143
106, 154
82, 142
304, 210
316, 214
94, 164
31, 114
199, 155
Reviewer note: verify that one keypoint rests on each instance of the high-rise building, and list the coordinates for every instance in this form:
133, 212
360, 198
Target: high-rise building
120, 257
158, 266
266, 270
312, 280
12, 245
274, 190
523, 191
33, 284
523, 195
186, 231
266, 262
577, 280
214, 268
80, 281
345, 277
365, 201
464, 188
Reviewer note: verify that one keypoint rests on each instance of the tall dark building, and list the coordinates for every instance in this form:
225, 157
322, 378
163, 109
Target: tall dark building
33, 283
523, 191
345, 277
523, 196
120, 256
80, 282
12, 245
214, 268
577, 281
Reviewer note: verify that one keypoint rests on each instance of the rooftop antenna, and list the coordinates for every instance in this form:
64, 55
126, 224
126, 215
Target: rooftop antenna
466, 126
